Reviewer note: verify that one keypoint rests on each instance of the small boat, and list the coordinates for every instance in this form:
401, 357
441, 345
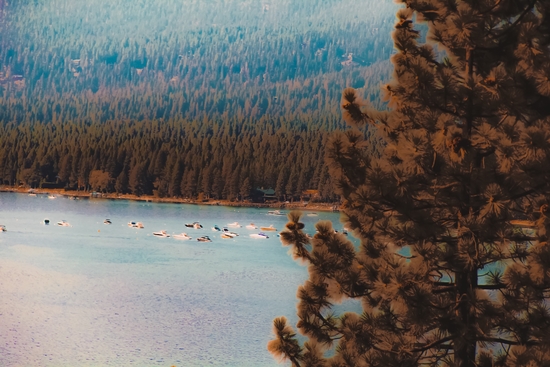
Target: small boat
216, 228
270, 228
182, 236
135, 224
259, 235
227, 231
195, 225
46, 221
107, 221
162, 233
32, 194
63, 223
275, 212
51, 196
234, 225
204, 239
251, 226
312, 215
227, 235
3, 228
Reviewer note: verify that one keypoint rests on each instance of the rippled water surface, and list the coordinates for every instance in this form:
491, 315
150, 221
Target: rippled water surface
108, 295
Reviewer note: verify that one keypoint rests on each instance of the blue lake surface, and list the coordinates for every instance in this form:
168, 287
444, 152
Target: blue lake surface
109, 295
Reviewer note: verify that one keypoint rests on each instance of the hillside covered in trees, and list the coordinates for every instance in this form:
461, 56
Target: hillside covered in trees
175, 96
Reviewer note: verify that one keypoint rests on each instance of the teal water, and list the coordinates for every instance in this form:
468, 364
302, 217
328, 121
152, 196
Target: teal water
109, 295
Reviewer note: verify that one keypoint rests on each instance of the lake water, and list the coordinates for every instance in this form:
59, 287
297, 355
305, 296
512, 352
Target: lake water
110, 295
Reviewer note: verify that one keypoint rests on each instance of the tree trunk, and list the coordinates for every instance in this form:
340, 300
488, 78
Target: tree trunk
466, 341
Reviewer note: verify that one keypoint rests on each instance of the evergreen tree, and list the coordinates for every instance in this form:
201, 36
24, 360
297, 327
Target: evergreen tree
454, 263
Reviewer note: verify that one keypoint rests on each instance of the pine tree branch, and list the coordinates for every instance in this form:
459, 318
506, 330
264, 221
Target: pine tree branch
432, 344
508, 342
526, 11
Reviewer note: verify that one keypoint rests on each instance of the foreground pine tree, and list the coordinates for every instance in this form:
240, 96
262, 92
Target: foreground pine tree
453, 217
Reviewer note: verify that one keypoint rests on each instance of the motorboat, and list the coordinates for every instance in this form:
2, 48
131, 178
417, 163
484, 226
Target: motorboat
51, 197
226, 230
162, 233
135, 225
216, 228
204, 239
251, 226
234, 225
107, 221
3, 228
275, 212
270, 228
32, 194
227, 235
259, 235
181, 236
46, 221
312, 214
63, 223
195, 225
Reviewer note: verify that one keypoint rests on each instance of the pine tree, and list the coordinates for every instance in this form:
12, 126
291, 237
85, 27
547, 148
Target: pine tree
453, 216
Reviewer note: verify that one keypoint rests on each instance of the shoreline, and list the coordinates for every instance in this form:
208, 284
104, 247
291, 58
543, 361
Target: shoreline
313, 207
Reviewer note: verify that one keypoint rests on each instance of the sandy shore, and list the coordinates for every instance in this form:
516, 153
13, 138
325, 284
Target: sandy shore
150, 198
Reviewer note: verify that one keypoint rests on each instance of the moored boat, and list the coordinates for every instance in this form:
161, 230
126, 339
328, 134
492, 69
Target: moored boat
259, 235
270, 228
251, 226
227, 235
3, 228
135, 225
107, 221
46, 221
226, 230
63, 223
216, 228
181, 236
312, 214
162, 233
204, 239
275, 212
234, 225
51, 196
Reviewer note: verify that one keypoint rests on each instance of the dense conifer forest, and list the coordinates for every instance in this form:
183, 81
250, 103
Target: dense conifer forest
182, 98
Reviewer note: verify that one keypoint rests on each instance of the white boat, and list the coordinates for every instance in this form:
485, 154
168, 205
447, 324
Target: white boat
216, 228
107, 221
204, 239
135, 224
3, 228
312, 215
63, 223
234, 225
228, 235
162, 233
32, 194
51, 196
181, 236
270, 228
251, 226
227, 231
275, 212
259, 235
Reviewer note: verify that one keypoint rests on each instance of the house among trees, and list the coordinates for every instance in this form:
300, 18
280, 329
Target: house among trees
267, 194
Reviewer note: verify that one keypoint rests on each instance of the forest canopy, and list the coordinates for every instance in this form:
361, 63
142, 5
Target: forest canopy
77, 69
